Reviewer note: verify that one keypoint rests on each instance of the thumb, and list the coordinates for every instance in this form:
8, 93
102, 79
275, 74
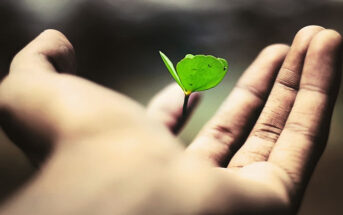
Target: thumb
24, 92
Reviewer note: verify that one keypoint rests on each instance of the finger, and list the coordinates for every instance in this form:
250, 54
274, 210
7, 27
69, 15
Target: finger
222, 136
50, 51
166, 107
305, 134
274, 114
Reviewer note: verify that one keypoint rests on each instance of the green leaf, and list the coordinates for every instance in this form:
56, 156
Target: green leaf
201, 72
171, 69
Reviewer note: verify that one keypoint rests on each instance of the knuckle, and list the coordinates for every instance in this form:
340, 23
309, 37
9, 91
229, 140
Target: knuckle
257, 93
12, 89
16, 60
320, 91
223, 134
288, 79
289, 176
257, 154
14, 83
267, 131
28, 91
301, 128
250, 155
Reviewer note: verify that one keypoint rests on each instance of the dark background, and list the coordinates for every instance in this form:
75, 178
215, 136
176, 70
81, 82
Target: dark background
117, 43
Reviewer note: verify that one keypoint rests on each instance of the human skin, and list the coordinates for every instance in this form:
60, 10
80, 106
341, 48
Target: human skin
99, 152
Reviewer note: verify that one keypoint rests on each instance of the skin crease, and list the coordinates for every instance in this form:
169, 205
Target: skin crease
99, 152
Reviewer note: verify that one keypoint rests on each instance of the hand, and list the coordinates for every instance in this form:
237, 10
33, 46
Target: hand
101, 153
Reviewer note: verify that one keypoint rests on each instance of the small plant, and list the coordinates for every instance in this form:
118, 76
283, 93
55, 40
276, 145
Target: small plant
196, 73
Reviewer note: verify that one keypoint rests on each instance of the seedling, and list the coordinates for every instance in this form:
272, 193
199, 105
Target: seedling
196, 73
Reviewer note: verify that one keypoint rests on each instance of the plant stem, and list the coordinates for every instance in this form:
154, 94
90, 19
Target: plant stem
185, 104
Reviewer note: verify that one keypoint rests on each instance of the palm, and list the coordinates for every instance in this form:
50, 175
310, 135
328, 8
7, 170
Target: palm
291, 109
254, 156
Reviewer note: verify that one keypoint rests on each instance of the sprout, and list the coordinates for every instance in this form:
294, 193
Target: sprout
196, 73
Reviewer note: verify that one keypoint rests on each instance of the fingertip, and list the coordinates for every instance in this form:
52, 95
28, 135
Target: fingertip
325, 55
273, 53
304, 35
327, 41
55, 35
309, 29
173, 92
58, 49
166, 107
50, 50
276, 48
195, 98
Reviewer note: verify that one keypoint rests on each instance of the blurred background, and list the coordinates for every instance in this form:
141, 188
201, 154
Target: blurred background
117, 43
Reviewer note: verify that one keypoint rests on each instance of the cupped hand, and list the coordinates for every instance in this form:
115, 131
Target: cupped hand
99, 152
